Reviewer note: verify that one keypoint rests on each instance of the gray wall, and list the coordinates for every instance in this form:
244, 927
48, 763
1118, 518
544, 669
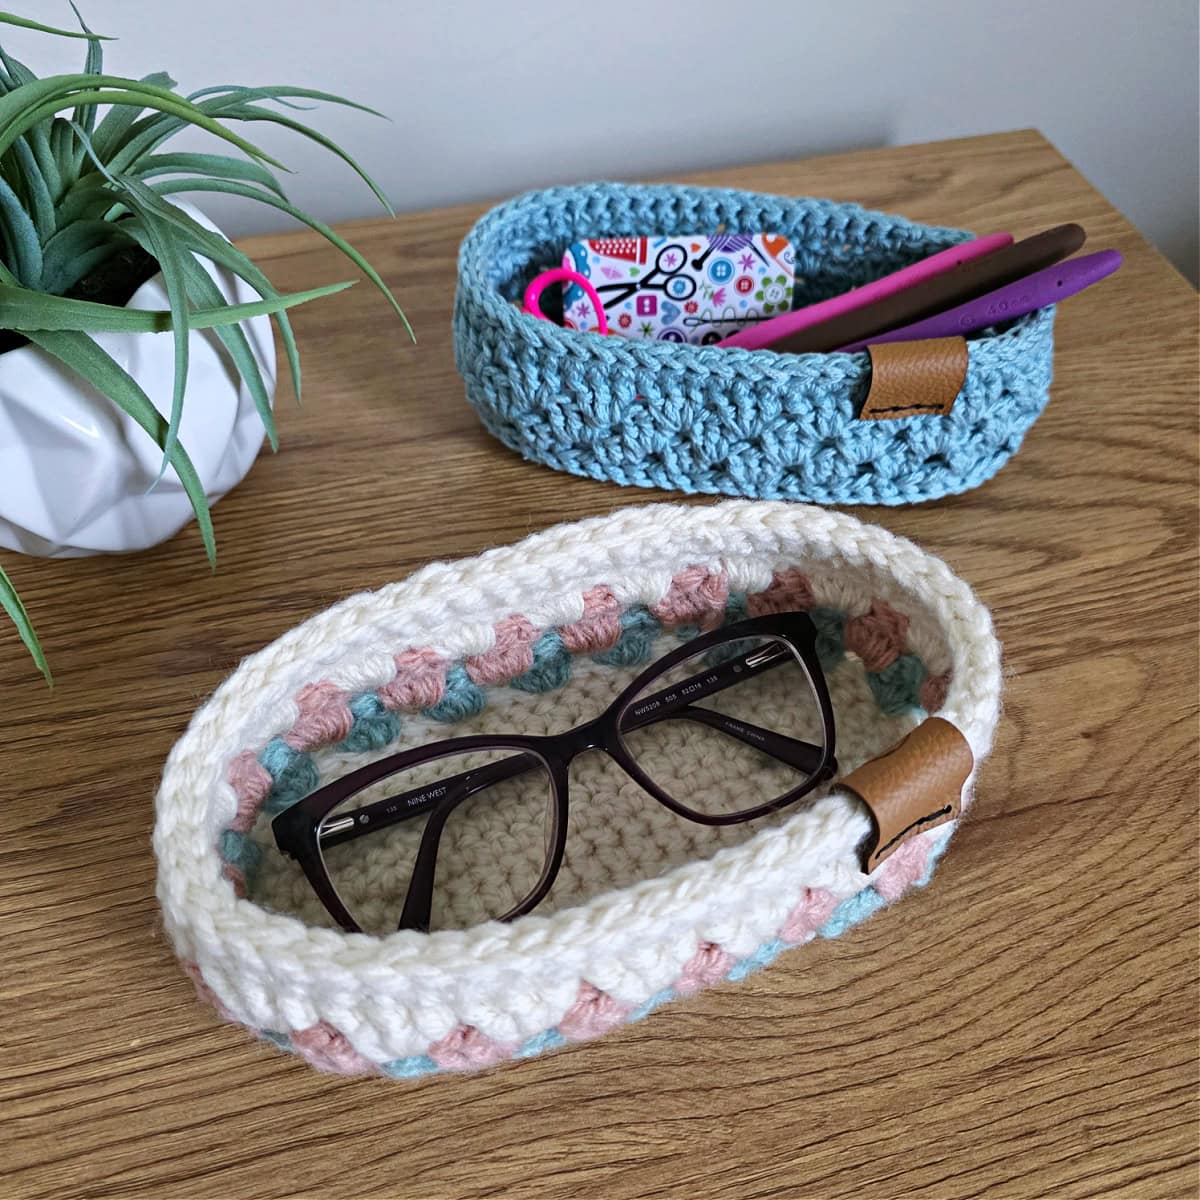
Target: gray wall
488, 98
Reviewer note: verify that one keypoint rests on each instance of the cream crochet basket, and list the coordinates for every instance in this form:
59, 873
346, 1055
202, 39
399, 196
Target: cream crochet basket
532, 639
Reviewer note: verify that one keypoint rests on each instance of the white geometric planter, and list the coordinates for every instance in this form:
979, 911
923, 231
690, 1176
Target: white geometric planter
76, 472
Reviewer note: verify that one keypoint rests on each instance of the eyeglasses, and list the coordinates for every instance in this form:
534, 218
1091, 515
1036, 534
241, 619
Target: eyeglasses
731, 726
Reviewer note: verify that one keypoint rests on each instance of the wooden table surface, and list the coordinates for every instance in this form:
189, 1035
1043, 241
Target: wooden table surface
1027, 1026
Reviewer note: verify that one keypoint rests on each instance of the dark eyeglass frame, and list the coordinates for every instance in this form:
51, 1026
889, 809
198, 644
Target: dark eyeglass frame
298, 829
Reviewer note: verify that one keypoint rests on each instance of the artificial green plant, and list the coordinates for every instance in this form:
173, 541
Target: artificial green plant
78, 186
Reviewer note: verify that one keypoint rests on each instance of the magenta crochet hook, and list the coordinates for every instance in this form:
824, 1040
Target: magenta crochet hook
754, 337
1047, 286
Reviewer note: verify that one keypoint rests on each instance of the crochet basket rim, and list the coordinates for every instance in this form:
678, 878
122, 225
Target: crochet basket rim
825, 529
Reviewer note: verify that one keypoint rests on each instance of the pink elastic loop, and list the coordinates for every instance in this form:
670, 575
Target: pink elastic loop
533, 294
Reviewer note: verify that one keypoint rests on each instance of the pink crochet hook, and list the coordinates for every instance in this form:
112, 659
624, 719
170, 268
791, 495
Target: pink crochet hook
533, 294
754, 337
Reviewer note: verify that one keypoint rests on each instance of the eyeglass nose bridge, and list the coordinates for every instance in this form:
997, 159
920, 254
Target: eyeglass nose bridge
591, 735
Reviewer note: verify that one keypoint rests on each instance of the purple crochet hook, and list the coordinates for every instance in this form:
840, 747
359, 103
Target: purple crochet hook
1047, 286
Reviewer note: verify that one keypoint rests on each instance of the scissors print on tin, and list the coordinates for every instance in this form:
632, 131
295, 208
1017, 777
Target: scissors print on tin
668, 275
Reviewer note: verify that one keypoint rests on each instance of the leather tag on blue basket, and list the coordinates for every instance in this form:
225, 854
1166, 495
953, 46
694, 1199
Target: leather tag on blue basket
690, 287
912, 379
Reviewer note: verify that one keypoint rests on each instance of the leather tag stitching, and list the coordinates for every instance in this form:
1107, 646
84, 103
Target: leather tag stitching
915, 378
945, 811
907, 408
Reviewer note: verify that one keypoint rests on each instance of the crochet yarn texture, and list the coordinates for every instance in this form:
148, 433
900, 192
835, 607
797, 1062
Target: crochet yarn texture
706, 419
531, 639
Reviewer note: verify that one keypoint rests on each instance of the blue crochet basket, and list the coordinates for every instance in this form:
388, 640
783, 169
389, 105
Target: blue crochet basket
705, 419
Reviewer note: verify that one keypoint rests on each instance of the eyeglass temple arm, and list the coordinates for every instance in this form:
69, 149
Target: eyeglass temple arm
391, 810
803, 756
418, 900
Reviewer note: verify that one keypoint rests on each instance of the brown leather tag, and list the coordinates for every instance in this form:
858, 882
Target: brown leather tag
910, 379
914, 786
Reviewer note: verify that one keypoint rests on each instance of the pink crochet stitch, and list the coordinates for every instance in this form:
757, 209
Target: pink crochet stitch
877, 637
325, 716
599, 628
466, 1049
251, 782
902, 869
696, 596
933, 692
512, 655
420, 680
789, 591
593, 1013
328, 1050
710, 964
808, 916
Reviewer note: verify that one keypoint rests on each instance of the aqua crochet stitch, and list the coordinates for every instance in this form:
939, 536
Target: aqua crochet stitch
706, 419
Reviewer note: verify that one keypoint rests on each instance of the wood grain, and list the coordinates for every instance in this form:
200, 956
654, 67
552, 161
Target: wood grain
1025, 1027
